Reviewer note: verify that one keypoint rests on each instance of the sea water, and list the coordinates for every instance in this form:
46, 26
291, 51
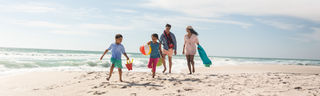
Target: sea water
21, 60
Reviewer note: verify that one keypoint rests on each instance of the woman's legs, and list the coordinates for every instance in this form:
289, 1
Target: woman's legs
188, 62
192, 62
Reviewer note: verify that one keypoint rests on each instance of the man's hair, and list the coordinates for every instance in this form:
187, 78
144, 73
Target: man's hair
168, 25
155, 35
118, 36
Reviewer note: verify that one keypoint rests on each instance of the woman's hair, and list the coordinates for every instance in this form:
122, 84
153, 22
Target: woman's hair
155, 35
118, 36
193, 32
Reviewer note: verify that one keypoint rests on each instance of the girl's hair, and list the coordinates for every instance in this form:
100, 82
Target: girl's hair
193, 32
155, 35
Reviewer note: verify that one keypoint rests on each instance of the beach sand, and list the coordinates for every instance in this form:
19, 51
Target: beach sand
243, 80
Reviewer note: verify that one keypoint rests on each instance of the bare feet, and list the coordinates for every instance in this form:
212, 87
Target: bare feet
193, 70
164, 70
107, 79
169, 71
120, 80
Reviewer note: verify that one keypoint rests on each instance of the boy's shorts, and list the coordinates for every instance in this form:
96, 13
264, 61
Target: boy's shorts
117, 63
168, 52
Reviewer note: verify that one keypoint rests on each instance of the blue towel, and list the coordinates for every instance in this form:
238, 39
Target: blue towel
206, 61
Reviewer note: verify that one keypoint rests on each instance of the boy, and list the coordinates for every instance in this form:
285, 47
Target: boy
116, 49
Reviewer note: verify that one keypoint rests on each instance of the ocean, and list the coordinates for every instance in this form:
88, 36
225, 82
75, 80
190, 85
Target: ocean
22, 60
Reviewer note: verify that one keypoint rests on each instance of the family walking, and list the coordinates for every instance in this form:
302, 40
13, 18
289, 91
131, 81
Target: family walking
168, 43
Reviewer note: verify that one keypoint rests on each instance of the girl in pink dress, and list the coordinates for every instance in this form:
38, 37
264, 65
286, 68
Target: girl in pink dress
189, 46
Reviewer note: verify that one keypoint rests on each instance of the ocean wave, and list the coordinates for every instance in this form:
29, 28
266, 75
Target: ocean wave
12, 60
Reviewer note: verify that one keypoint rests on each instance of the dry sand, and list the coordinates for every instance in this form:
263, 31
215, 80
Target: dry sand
280, 80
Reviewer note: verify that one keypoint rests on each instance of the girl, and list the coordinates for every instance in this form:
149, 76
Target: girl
154, 55
189, 47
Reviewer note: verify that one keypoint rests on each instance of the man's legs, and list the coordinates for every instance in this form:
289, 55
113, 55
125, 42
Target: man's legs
170, 63
164, 63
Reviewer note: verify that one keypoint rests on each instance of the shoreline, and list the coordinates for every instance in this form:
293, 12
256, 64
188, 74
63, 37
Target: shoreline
241, 80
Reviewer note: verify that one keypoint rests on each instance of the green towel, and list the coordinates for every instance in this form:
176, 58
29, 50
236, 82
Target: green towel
206, 61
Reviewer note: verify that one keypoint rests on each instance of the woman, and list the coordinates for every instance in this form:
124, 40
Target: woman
189, 47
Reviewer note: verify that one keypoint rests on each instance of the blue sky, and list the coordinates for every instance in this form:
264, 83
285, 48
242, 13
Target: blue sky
239, 28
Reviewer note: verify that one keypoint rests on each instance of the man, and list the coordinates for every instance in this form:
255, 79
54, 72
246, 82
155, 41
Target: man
169, 46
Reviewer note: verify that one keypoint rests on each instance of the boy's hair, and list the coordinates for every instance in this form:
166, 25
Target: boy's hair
118, 36
168, 25
155, 35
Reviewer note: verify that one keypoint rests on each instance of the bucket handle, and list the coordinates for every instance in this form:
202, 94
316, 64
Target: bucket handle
128, 61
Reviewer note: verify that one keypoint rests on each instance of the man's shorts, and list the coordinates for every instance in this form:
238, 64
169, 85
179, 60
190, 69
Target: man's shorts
168, 52
117, 63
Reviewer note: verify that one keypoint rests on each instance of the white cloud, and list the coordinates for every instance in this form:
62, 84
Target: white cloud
244, 25
42, 24
124, 10
301, 39
103, 26
49, 8
280, 25
32, 7
306, 9
73, 32
182, 21
313, 36
46, 25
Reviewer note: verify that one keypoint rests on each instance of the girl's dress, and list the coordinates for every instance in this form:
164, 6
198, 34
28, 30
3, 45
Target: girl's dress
190, 44
154, 56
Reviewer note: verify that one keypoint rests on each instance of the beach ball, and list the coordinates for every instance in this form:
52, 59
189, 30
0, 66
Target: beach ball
145, 49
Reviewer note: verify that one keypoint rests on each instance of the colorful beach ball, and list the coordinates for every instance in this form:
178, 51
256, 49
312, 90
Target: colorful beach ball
145, 49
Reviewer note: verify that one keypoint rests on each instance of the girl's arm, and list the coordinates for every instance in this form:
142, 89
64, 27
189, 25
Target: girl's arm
160, 50
105, 52
125, 54
149, 43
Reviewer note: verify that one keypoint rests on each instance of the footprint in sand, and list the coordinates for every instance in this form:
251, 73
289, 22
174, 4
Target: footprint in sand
98, 93
133, 94
124, 87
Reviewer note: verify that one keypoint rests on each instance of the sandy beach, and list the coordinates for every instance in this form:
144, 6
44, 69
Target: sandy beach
243, 80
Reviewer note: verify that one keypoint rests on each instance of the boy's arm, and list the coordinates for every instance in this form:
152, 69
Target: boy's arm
104, 53
125, 54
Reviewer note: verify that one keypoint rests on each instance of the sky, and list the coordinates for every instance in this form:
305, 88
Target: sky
237, 28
